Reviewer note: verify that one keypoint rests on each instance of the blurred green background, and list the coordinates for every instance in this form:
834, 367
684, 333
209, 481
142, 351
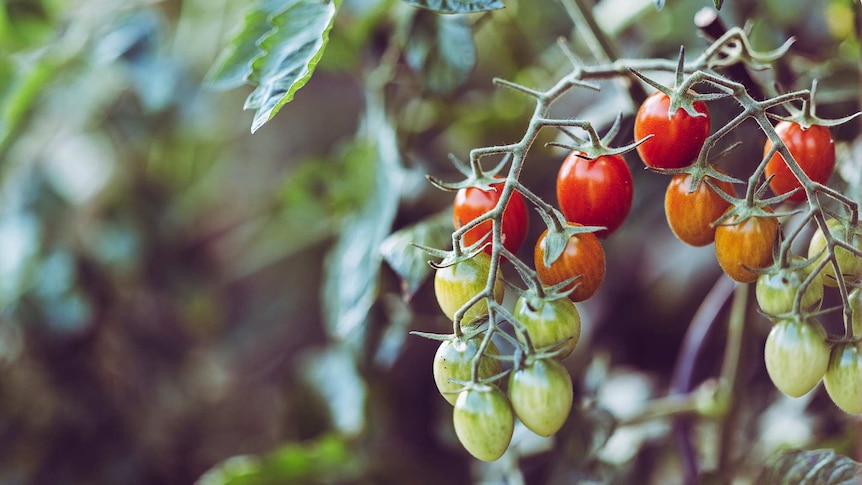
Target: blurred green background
178, 295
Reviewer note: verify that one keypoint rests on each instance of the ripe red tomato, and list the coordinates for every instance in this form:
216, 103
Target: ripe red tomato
678, 138
690, 215
472, 202
747, 244
595, 192
813, 149
583, 256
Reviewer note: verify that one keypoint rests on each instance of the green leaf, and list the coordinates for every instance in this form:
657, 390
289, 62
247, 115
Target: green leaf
442, 51
277, 49
457, 6
410, 262
815, 467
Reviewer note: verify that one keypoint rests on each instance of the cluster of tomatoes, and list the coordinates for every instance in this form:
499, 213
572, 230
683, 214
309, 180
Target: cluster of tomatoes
598, 191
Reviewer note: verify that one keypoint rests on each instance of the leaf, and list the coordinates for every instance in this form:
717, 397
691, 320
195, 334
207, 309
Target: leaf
814, 467
277, 49
457, 6
441, 50
659, 4
332, 373
410, 262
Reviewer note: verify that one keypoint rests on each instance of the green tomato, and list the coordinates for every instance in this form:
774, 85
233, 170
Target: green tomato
454, 360
856, 306
843, 379
776, 290
849, 263
541, 395
796, 355
484, 422
550, 322
455, 285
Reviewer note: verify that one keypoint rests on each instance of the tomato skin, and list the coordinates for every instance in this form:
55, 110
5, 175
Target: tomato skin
855, 299
454, 360
583, 255
549, 322
796, 355
690, 215
776, 291
746, 244
678, 139
813, 149
843, 379
595, 192
849, 264
472, 202
541, 395
484, 421
456, 284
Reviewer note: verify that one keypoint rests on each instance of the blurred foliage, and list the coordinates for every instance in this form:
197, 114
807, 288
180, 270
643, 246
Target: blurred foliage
178, 296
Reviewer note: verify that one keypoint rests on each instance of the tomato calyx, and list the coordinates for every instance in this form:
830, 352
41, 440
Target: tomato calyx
806, 117
559, 232
596, 146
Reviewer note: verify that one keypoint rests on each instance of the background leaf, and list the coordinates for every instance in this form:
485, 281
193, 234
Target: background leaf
815, 467
441, 50
457, 6
410, 262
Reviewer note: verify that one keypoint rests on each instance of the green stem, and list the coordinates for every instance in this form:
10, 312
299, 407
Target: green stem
730, 370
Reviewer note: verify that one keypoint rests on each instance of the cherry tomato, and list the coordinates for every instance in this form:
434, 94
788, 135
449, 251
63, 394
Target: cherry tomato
747, 244
776, 290
678, 138
843, 379
595, 192
583, 256
472, 202
455, 285
541, 395
454, 360
855, 298
796, 355
484, 422
849, 263
550, 322
813, 149
690, 215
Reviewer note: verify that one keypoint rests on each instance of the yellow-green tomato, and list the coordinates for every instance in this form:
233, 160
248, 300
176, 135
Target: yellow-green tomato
843, 379
849, 263
484, 421
550, 322
454, 360
856, 306
541, 395
455, 285
796, 355
776, 291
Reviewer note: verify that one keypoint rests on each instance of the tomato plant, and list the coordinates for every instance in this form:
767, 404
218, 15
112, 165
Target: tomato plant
690, 214
814, 150
454, 360
483, 421
550, 322
677, 138
595, 192
777, 289
796, 355
541, 395
472, 202
583, 255
849, 264
456, 284
744, 245
843, 379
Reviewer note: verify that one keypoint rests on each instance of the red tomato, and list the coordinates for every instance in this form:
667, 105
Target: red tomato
583, 256
690, 215
747, 244
813, 149
595, 192
472, 202
678, 138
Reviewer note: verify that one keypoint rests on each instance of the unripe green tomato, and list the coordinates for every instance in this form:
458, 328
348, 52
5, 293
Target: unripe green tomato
843, 379
776, 291
454, 360
856, 306
796, 355
455, 285
849, 263
541, 395
483, 421
549, 322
